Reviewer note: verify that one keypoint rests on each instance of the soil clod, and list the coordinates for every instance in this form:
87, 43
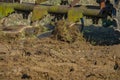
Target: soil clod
25, 76
67, 32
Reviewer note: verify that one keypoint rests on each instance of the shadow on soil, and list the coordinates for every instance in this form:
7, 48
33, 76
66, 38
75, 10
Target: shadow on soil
96, 35
101, 36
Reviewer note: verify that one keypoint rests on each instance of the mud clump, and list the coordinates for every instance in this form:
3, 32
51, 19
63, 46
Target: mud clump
67, 32
15, 19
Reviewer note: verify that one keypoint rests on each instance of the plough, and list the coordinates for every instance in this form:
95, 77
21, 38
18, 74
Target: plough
40, 10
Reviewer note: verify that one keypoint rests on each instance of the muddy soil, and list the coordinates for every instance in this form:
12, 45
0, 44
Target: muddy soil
48, 59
